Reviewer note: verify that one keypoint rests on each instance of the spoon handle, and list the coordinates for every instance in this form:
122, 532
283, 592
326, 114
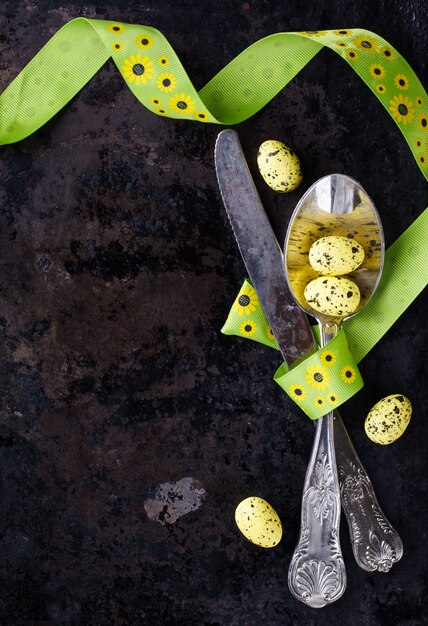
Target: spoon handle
317, 573
375, 543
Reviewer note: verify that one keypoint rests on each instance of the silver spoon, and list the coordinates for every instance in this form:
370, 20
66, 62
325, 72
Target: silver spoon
334, 205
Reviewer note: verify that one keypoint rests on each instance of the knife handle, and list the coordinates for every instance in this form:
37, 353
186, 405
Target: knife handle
375, 543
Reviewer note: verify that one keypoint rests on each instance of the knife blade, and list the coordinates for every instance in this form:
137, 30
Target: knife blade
260, 250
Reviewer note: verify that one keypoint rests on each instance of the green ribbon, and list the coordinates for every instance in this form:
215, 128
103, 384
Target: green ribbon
324, 380
157, 78
404, 276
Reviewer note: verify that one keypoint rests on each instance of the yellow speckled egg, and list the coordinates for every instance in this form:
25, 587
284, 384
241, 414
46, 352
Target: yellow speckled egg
333, 295
388, 419
258, 522
336, 255
279, 166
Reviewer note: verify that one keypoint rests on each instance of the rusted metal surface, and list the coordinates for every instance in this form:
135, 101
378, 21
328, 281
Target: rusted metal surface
117, 270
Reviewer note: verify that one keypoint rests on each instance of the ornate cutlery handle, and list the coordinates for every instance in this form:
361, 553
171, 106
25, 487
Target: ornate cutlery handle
375, 543
317, 573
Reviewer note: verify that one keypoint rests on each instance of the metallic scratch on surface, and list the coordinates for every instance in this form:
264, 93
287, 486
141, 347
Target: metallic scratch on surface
173, 500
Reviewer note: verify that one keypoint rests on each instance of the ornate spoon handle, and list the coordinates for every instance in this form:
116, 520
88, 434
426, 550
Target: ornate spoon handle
317, 573
375, 543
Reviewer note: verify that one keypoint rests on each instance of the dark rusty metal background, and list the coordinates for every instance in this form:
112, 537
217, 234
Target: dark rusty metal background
118, 268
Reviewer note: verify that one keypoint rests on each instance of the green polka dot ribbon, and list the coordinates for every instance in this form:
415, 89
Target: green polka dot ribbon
155, 75
404, 276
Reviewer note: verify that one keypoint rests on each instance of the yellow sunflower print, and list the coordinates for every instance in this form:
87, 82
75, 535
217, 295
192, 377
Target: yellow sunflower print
328, 358
347, 374
366, 43
418, 143
342, 44
314, 33
401, 82
137, 69
388, 53
319, 402
162, 111
423, 121
333, 398
116, 28
166, 82
117, 47
269, 334
342, 33
422, 159
297, 392
201, 115
164, 61
402, 109
419, 101
352, 55
376, 70
248, 328
182, 103
317, 377
247, 301
156, 102
381, 88
144, 41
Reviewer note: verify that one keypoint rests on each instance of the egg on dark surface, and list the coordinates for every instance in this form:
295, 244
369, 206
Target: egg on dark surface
279, 166
388, 419
258, 522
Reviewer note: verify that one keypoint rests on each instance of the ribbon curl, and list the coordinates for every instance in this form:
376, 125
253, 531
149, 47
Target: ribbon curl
155, 75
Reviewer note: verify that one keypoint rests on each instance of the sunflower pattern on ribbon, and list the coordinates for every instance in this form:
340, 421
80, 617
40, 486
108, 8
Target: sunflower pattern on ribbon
389, 76
322, 381
156, 76
150, 74
247, 319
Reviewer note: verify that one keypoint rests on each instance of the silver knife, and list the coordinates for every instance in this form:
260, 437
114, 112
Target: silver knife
375, 543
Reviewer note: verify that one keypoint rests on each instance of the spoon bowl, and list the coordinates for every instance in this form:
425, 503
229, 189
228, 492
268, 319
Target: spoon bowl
334, 205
